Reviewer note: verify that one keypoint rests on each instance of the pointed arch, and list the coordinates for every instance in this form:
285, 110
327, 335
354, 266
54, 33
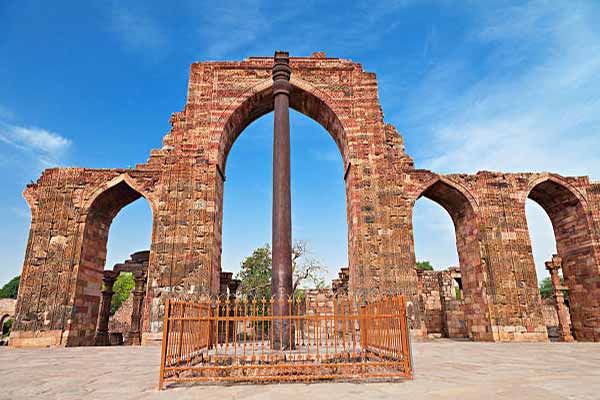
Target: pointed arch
253, 104
258, 101
575, 243
463, 210
122, 183
452, 196
99, 210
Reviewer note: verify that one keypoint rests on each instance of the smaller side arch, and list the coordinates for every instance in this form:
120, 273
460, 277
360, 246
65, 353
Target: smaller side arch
3, 319
98, 212
571, 221
463, 210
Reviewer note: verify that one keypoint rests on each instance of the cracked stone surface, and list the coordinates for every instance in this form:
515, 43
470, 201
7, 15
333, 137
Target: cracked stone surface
444, 370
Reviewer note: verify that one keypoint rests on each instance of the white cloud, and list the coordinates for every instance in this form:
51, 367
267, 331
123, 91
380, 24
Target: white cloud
48, 146
541, 115
531, 103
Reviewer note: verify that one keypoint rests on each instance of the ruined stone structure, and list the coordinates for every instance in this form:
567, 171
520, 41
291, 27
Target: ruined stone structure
441, 303
7, 310
72, 209
137, 265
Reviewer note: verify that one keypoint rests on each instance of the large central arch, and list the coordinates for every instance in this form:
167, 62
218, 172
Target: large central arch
258, 102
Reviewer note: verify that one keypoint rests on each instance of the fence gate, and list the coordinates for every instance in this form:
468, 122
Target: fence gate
331, 338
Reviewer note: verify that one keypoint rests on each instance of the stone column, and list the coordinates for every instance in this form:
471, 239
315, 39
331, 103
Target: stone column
102, 338
281, 280
564, 325
233, 287
224, 281
139, 277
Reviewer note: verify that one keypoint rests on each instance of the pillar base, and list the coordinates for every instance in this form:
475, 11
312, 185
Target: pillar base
152, 338
567, 339
21, 339
102, 339
134, 339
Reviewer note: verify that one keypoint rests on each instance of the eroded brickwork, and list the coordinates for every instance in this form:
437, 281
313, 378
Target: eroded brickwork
72, 209
442, 304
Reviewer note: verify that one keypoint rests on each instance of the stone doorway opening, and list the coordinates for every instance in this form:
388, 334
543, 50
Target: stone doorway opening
316, 167
572, 298
448, 312
303, 103
95, 284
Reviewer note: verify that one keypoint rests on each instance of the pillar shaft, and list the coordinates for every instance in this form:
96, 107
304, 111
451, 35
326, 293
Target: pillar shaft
281, 282
102, 338
136, 314
564, 325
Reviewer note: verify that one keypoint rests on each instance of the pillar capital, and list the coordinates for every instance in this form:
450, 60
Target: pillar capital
281, 73
281, 68
555, 264
109, 278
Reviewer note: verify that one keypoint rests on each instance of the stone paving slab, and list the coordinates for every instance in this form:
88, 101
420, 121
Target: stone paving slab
444, 370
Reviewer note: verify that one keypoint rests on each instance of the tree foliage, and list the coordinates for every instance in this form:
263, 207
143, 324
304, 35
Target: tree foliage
424, 265
11, 289
122, 289
6, 327
255, 273
546, 290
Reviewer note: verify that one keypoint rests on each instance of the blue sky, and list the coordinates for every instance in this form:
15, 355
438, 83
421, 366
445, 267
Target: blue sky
509, 86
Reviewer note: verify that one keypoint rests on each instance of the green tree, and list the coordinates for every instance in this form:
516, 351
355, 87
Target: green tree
424, 265
122, 289
255, 273
546, 290
10, 290
6, 327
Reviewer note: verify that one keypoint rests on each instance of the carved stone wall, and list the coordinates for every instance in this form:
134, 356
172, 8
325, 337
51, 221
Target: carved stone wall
72, 209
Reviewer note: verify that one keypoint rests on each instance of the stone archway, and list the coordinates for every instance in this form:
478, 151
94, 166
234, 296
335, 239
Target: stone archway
461, 207
574, 237
304, 99
100, 210
3, 319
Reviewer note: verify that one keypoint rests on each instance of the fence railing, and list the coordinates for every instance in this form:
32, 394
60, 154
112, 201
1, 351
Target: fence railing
233, 340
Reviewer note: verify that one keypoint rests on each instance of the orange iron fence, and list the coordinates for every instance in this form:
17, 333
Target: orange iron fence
240, 340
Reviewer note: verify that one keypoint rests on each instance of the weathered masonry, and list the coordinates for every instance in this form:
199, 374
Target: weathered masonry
72, 209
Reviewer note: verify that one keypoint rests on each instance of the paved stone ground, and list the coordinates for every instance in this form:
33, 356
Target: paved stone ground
444, 370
